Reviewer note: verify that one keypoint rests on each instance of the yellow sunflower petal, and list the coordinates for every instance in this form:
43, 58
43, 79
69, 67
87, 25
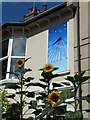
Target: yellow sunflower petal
20, 62
54, 97
48, 68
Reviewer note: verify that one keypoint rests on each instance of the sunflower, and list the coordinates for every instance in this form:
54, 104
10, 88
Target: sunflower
54, 97
48, 68
20, 62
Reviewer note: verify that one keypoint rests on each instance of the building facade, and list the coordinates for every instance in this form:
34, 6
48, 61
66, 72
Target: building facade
30, 39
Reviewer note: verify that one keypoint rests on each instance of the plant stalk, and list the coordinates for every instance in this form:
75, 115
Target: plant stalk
21, 97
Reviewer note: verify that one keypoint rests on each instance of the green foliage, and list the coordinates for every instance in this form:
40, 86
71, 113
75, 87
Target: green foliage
87, 98
30, 118
76, 80
57, 85
33, 104
15, 111
66, 94
3, 100
73, 115
12, 112
12, 86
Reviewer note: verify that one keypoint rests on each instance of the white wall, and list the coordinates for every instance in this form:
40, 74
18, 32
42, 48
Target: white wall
37, 49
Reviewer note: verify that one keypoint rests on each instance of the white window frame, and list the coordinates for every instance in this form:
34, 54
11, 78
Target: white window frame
10, 47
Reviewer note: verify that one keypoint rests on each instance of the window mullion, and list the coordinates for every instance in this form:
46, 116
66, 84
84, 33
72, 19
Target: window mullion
9, 57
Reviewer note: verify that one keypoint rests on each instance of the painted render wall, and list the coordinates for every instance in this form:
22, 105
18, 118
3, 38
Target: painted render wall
84, 49
36, 48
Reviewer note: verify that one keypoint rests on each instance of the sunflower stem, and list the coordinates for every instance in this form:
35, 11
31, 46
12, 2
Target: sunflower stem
48, 87
21, 96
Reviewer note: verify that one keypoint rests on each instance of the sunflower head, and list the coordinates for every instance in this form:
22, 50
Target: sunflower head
48, 68
54, 97
20, 62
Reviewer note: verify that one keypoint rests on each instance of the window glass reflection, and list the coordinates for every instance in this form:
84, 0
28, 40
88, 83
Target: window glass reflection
5, 47
3, 70
14, 68
18, 48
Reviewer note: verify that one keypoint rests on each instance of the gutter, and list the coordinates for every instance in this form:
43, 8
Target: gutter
40, 16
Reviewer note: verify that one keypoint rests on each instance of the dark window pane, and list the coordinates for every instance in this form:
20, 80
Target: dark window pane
3, 66
19, 46
5, 47
14, 68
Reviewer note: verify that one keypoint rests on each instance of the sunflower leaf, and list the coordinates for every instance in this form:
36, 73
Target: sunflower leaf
70, 78
12, 86
37, 111
33, 103
70, 115
27, 59
57, 85
87, 98
30, 94
66, 83
66, 94
24, 70
23, 92
11, 96
47, 75
28, 79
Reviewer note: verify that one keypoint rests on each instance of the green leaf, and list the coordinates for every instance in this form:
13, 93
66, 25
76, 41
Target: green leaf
33, 103
73, 115
30, 94
12, 86
56, 68
39, 98
36, 84
46, 111
43, 80
43, 106
40, 85
30, 118
66, 83
37, 111
29, 84
11, 96
27, 59
29, 79
66, 94
70, 78
82, 73
84, 79
56, 75
23, 92
57, 85
87, 98
47, 75
24, 70
43, 95
80, 79
17, 75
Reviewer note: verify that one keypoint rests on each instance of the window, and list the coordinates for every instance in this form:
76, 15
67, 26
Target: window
57, 46
3, 58
12, 49
17, 47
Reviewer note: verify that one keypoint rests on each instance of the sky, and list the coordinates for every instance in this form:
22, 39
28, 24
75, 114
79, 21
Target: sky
14, 11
